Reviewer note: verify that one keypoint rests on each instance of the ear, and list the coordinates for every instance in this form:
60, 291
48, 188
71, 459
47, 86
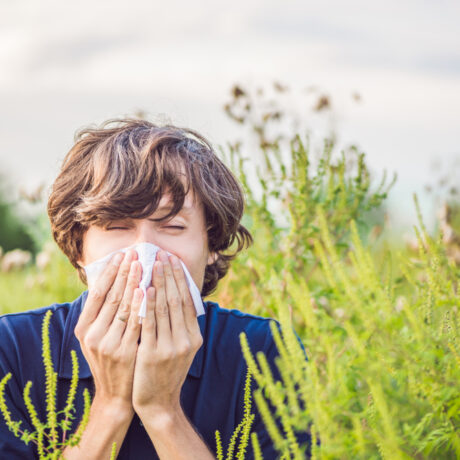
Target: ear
212, 257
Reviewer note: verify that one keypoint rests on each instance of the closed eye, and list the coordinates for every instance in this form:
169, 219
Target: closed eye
177, 227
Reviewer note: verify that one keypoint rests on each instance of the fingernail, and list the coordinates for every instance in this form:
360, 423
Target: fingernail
160, 268
163, 256
117, 259
175, 261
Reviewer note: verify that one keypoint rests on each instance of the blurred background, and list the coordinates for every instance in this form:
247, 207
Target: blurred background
383, 78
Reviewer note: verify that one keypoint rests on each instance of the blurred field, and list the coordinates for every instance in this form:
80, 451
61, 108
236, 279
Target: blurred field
33, 287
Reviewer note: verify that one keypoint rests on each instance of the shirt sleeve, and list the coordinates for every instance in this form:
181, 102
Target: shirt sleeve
268, 449
12, 447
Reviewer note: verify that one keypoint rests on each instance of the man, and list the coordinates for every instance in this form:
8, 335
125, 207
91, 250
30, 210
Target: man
160, 388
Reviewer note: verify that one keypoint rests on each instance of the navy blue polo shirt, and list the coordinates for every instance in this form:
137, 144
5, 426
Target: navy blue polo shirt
211, 397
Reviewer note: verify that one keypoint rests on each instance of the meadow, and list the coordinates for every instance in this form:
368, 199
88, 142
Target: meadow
379, 318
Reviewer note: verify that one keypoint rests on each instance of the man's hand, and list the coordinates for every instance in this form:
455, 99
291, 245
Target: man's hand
108, 343
170, 338
146, 378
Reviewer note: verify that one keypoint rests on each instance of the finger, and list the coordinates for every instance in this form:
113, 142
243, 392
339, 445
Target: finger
149, 329
115, 294
161, 306
189, 311
117, 328
97, 294
133, 328
173, 299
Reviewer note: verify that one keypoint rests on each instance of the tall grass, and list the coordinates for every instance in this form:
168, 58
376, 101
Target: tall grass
381, 330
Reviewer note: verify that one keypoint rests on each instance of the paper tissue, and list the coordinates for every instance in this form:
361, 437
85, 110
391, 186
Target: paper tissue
147, 254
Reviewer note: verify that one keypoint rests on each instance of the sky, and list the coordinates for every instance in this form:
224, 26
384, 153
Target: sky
66, 65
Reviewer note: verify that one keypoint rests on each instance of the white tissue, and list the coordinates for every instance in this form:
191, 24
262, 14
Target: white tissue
147, 253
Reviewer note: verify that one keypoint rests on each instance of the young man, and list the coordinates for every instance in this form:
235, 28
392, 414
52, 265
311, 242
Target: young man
162, 388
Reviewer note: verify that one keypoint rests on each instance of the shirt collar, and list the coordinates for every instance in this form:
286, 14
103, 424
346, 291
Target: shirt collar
70, 342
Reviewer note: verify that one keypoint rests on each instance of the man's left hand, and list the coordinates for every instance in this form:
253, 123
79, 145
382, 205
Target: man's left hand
170, 338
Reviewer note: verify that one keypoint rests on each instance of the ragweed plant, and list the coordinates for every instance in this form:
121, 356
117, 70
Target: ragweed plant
242, 430
278, 395
380, 325
283, 214
382, 379
46, 437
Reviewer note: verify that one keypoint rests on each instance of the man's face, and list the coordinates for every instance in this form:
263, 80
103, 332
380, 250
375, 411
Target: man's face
184, 235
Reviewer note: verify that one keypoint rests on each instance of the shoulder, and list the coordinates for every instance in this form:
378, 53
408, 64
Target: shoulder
21, 322
229, 323
24, 325
21, 333
32, 314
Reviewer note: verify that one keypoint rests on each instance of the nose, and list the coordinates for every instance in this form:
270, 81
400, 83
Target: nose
145, 232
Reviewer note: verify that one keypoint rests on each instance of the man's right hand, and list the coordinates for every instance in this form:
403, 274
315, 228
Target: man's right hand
108, 343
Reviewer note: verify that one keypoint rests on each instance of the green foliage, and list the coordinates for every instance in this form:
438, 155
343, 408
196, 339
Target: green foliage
13, 229
283, 218
380, 325
382, 380
35, 286
285, 442
45, 436
113, 454
243, 429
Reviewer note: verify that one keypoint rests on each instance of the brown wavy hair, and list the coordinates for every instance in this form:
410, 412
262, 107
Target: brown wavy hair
122, 169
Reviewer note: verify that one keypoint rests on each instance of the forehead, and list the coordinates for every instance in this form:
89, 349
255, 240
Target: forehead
191, 202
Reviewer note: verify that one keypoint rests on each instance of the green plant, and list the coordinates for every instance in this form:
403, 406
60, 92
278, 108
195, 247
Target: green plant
382, 380
45, 436
243, 429
36, 286
13, 228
